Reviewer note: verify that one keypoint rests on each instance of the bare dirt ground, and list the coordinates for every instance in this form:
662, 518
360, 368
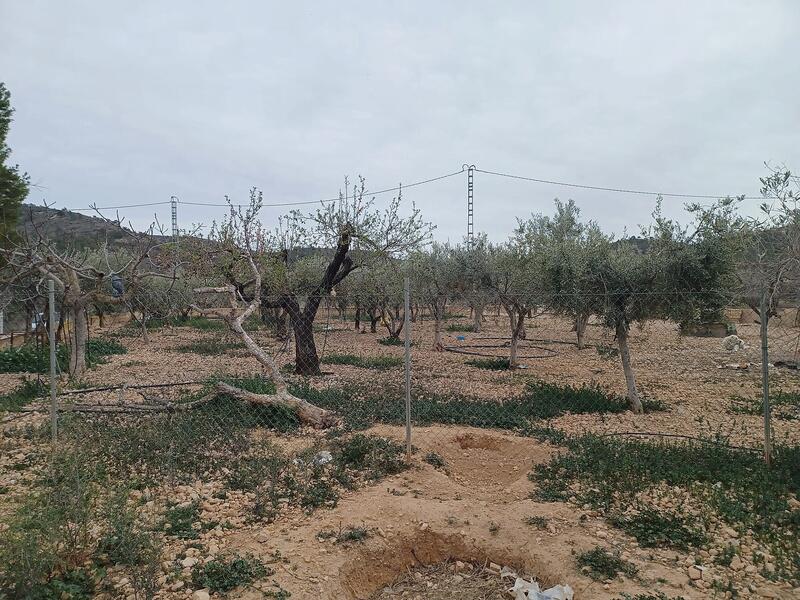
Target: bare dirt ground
475, 509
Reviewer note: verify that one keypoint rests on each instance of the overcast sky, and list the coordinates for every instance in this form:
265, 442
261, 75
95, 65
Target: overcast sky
120, 103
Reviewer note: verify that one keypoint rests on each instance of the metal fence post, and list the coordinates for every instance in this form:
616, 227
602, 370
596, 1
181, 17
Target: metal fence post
407, 327
51, 334
764, 314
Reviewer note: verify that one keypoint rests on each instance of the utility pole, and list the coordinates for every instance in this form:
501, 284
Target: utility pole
174, 202
470, 208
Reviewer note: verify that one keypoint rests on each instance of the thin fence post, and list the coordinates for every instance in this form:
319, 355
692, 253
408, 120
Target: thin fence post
51, 334
407, 327
764, 314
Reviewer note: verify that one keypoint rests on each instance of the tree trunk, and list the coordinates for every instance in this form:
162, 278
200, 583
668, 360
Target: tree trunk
477, 317
580, 330
78, 340
394, 324
145, 337
305, 352
630, 380
517, 322
374, 317
357, 321
438, 308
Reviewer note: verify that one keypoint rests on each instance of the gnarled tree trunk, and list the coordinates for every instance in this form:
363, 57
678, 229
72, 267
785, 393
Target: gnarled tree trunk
581, 321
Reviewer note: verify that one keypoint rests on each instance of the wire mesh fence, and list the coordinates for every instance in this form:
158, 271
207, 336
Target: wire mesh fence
179, 426
480, 367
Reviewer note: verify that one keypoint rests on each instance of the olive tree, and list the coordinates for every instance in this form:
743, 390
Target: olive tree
473, 269
570, 250
436, 279
681, 276
512, 278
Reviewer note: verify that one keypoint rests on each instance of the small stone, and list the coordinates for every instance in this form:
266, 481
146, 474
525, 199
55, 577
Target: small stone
201, 595
189, 561
737, 564
177, 585
695, 573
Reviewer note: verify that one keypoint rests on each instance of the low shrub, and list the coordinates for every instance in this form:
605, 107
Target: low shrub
228, 572
656, 530
602, 564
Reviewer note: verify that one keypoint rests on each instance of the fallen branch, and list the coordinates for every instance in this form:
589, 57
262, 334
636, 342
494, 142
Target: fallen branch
119, 386
306, 412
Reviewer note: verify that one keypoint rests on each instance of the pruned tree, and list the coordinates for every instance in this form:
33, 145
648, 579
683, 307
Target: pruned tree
350, 233
80, 282
242, 237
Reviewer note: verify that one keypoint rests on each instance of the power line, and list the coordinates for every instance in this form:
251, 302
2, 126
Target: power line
120, 206
611, 189
328, 200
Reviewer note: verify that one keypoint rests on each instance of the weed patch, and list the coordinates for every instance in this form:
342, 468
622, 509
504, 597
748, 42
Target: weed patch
600, 564
36, 359
537, 521
226, 573
656, 530
179, 521
435, 460
461, 328
392, 341
733, 486
784, 405
370, 362
348, 534
490, 364
30, 389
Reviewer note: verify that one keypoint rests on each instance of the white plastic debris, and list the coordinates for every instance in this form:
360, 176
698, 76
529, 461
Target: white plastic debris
530, 590
323, 458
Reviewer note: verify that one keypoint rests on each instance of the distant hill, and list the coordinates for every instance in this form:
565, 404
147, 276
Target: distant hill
68, 228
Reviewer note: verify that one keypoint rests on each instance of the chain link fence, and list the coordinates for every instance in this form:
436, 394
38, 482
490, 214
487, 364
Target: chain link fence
451, 385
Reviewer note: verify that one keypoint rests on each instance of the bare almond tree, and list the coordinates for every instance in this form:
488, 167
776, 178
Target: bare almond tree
81, 281
243, 238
